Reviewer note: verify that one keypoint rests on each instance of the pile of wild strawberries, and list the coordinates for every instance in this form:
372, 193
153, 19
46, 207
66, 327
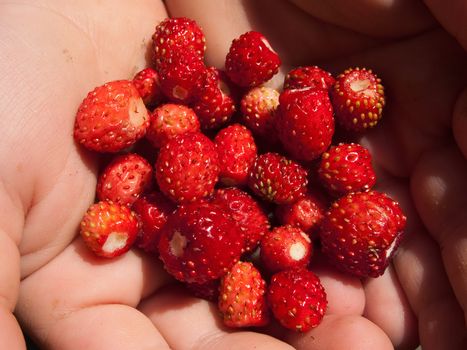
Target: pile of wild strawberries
239, 168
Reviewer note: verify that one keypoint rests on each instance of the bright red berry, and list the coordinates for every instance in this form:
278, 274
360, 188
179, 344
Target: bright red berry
237, 154
358, 99
200, 242
259, 107
251, 60
169, 120
187, 167
109, 229
148, 85
346, 168
308, 76
213, 102
306, 213
246, 212
297, 299
152, 211
285, 247
277, 179
124, 179
208, 291
174, 34
242, 300
305, 123
180, 74
361, 232
111, 117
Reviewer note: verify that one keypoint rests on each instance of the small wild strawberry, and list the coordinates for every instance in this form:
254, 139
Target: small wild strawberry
148, 85
308, 76
242, 300
109, 229
111, 117
361, 231
346, 168
358, 99
277, 179
297, 299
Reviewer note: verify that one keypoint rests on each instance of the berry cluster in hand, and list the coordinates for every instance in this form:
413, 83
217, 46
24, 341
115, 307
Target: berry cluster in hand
231, 183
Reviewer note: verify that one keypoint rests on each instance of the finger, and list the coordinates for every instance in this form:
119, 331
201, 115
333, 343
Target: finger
440, 193
336, 285
174, 312
459, 127
77, 290
342, 332
387, 306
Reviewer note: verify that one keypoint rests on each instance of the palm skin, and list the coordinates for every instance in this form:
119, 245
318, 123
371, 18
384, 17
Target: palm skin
53, 52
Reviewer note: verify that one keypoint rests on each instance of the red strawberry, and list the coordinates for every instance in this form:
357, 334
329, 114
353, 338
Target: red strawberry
111, 117
277, 179
358, 99
174, 34
361, 232
200, 242
148, 85
124, 179
258, 109
237, 153
153, 211
297, 299
306, 213
109, 229
169, 120
308, 76
305, 123
242, 301
180, 74
208, 291
213, 103
346, 168
246, 212
251, 60
187, 167
285, 247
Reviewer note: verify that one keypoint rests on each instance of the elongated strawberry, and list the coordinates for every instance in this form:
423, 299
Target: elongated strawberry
124, 179
213, 101
277, 179
111, 117
297, 299
251, 60
358, 99
346, 168
361, 232
200, 242
187, 167
109, 229
305, 123
237, 154
169, 120
246, 212
242, 301
148, 85
306, 213
285, 247
152, 211
175, 34
308, 76
180, 74
259, 107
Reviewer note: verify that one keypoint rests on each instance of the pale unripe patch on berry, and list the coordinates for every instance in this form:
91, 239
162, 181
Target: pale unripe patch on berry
137, 112
179, 92
115, 241
297, 251
177, 244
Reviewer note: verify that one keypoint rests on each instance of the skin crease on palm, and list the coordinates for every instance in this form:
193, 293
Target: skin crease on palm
53, 52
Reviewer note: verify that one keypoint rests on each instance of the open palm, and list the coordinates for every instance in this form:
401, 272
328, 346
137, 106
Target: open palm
53, 52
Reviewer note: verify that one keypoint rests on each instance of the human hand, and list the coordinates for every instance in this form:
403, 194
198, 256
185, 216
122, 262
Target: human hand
69, 299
